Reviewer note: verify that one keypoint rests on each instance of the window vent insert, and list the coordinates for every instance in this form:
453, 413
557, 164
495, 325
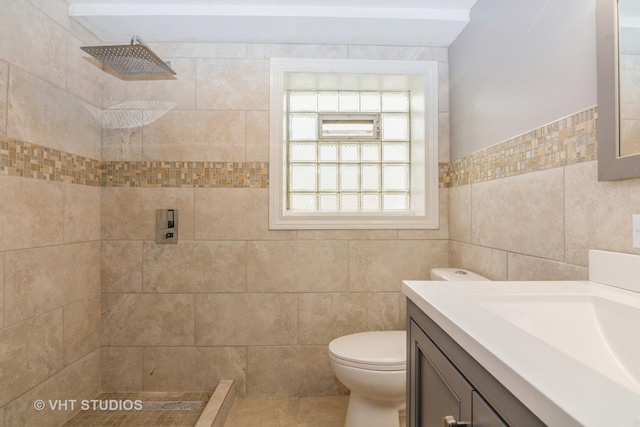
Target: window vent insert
350, 126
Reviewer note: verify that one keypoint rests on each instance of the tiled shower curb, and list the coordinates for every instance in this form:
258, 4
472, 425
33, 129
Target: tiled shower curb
219, 406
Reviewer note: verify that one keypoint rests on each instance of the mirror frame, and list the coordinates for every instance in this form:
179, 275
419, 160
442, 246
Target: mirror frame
610, 165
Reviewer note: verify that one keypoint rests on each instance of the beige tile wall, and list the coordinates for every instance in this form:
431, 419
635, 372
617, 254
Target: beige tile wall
40, 120
1, 291
72, 383
33, 203
195, 369
39, 280
50, 233
34, 353
598, 214
290, 371
234, 214
38, 44
538, 221
234, 299
4, 86
534, 225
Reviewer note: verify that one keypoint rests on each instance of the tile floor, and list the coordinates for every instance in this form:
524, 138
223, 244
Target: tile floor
325, 411
144, 417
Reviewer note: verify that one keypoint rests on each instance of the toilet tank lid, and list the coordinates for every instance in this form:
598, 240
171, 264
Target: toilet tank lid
456, 274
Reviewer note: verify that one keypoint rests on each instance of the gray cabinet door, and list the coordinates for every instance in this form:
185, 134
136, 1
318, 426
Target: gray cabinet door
483, 414
438, 387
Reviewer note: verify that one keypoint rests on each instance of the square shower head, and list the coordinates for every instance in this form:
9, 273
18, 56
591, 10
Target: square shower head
134, 61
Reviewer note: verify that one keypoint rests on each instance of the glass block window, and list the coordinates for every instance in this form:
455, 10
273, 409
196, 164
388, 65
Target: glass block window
348, 151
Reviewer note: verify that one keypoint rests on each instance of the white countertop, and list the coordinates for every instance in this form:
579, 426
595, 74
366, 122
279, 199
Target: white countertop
578, 378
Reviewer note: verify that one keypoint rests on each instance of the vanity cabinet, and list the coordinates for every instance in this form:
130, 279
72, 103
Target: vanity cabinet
447, 387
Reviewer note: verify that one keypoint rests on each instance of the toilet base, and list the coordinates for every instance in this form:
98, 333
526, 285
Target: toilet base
365, 412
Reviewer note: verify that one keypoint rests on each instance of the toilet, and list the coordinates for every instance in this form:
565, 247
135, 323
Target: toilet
373, 366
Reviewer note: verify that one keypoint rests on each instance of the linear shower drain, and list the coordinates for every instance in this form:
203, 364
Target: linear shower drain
189, 405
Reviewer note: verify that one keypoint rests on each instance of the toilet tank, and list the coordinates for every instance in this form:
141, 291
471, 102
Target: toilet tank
456, 274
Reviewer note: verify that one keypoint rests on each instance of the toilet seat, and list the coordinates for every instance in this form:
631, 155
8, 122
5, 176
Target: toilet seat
375, 351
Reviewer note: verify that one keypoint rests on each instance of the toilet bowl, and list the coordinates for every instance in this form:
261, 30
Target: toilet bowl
372, 365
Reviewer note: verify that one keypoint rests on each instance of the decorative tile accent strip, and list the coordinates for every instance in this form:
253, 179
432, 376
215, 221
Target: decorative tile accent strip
186, 174
567, 141
18, 158
443, 174
23, 159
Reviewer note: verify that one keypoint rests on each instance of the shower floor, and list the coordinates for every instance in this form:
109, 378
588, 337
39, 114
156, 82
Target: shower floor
175, 409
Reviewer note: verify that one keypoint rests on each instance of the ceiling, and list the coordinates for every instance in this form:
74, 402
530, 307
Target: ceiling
372, 22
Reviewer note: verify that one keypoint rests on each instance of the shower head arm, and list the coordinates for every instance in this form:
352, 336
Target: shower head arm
136, 39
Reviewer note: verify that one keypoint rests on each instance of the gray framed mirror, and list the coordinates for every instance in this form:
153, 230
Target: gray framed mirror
618, 56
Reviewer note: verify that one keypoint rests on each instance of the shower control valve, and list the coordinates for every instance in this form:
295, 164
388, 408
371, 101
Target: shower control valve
166, 226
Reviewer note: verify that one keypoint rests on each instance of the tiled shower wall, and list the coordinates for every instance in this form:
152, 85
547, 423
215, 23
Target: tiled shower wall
234, 299
50, 229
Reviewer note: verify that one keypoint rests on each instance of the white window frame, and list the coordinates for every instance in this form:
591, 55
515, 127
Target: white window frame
420, 78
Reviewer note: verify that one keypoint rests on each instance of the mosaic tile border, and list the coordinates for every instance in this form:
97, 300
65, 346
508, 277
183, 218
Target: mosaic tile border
23, 159
18, 158
564, 142
186, 174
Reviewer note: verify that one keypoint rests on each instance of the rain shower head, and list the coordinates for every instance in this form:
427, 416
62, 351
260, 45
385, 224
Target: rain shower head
134, 61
